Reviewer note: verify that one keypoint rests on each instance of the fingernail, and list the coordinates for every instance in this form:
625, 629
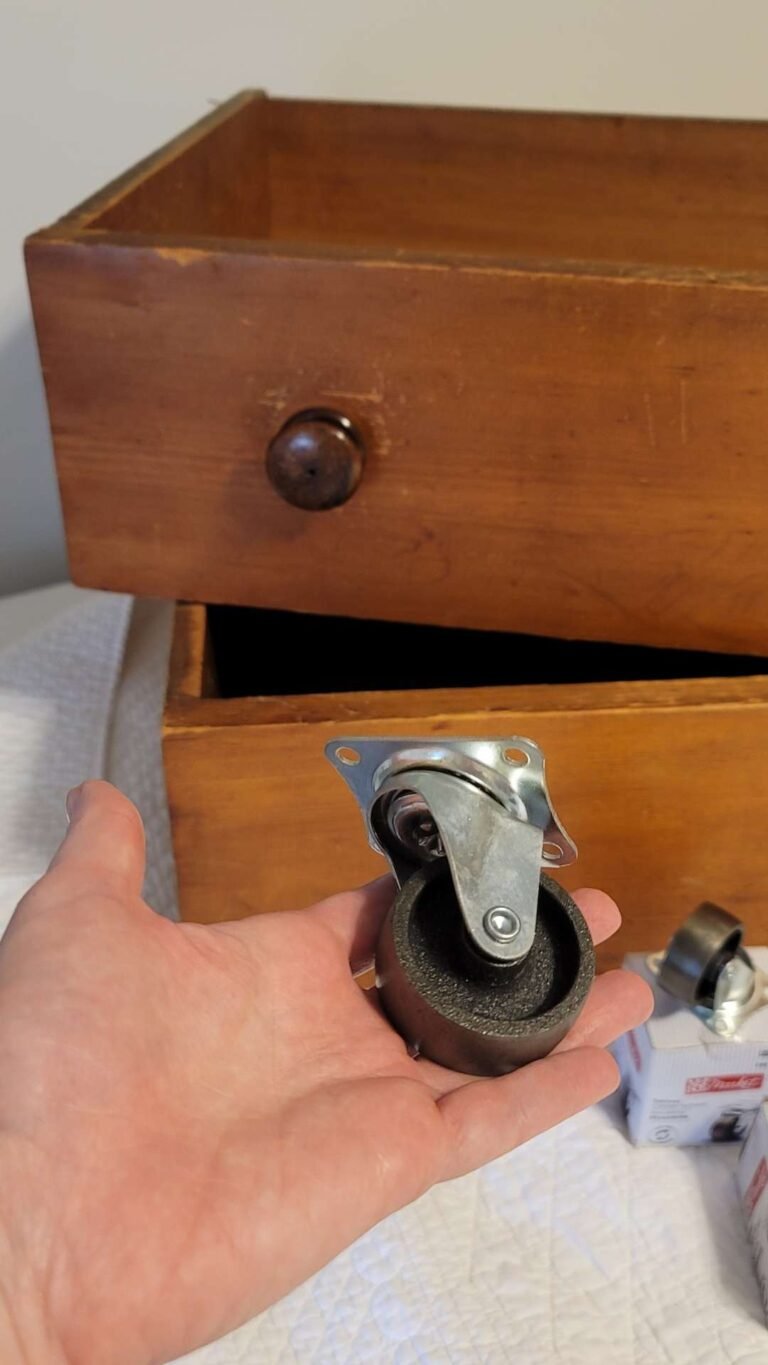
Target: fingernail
72, 802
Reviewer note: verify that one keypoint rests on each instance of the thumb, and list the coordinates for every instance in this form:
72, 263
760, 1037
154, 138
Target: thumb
104, 846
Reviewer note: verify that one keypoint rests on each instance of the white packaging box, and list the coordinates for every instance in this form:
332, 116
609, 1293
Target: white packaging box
752, 1175
682, 1084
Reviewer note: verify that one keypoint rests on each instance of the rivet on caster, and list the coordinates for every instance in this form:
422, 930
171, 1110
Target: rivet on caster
483, 963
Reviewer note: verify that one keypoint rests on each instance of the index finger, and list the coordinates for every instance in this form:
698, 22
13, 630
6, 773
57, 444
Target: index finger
356, 917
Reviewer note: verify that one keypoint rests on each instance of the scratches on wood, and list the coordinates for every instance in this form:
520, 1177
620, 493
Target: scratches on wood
649, 421
684, 411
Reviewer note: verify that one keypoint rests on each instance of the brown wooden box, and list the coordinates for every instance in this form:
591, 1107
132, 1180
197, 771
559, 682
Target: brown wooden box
662, 783
552, 330
552, 335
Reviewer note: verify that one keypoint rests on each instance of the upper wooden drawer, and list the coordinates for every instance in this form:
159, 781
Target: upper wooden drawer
551, 333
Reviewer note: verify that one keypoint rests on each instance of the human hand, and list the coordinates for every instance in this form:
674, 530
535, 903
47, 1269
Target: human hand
195, 1118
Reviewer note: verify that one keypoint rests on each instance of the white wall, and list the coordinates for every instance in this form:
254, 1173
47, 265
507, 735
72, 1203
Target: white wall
89, 86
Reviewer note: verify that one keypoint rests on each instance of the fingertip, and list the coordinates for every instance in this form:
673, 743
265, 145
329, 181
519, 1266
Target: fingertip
377, 887
626, 994
72, 802
598, 1070
488, 1117
95, 792
600, 911
104, 843
96, 798
604, 1070
639, 992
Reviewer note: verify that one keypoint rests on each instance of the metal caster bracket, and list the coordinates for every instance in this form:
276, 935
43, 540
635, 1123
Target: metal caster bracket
483, 963
484, 804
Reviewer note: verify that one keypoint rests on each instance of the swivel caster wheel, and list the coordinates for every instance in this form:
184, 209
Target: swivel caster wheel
706, 966
483, 963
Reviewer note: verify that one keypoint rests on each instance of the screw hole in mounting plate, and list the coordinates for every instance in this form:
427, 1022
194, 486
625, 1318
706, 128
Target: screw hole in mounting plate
551, 852
348, 756
517, 758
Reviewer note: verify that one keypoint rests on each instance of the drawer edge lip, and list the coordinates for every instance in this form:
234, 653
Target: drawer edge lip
189, 249
187, 715
76, 227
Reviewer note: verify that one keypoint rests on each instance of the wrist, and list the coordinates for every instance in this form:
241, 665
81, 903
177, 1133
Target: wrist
24, 1337
27, 1335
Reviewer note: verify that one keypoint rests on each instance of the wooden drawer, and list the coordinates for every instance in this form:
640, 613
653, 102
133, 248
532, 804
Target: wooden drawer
550, 332
661, 782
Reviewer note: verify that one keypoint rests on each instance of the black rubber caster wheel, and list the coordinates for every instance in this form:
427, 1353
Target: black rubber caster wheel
698, 952
463, 1010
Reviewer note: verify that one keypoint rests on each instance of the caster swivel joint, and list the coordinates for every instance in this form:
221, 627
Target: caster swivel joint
483, 962
707, 967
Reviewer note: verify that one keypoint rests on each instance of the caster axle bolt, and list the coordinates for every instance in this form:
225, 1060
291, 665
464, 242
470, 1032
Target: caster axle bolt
501, 924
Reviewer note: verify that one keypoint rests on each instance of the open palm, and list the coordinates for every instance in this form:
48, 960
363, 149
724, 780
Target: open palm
194, 1118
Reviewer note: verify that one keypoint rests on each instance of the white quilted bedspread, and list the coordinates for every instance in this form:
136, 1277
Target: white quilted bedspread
576, 1249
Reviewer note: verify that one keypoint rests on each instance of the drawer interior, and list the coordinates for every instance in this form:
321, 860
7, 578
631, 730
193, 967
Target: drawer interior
257, 653
671, 192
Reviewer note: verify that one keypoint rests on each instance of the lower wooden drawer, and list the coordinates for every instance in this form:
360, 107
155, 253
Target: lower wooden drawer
661, 782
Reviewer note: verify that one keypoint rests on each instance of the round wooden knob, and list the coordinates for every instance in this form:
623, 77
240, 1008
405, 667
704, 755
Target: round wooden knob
316, 460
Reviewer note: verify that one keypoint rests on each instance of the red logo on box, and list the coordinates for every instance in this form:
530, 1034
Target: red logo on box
703, 1085
634, 1049
756, 1185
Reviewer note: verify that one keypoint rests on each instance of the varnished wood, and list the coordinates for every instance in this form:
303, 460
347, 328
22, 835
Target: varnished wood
547, 452
661, 784
681, 192
212, 176
563, 446
191, 672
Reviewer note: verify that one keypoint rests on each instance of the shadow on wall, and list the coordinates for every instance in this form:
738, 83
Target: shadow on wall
31, 535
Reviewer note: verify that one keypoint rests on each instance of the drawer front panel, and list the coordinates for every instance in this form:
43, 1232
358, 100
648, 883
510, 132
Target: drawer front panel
553, 453
661, 785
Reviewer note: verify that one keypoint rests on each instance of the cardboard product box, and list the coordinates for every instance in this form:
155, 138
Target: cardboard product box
752, 1175
682, 1084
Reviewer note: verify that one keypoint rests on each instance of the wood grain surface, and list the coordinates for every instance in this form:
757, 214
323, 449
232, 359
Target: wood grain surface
212, 178
551, 331
663, 191
681, 192
661, 785
553, 453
